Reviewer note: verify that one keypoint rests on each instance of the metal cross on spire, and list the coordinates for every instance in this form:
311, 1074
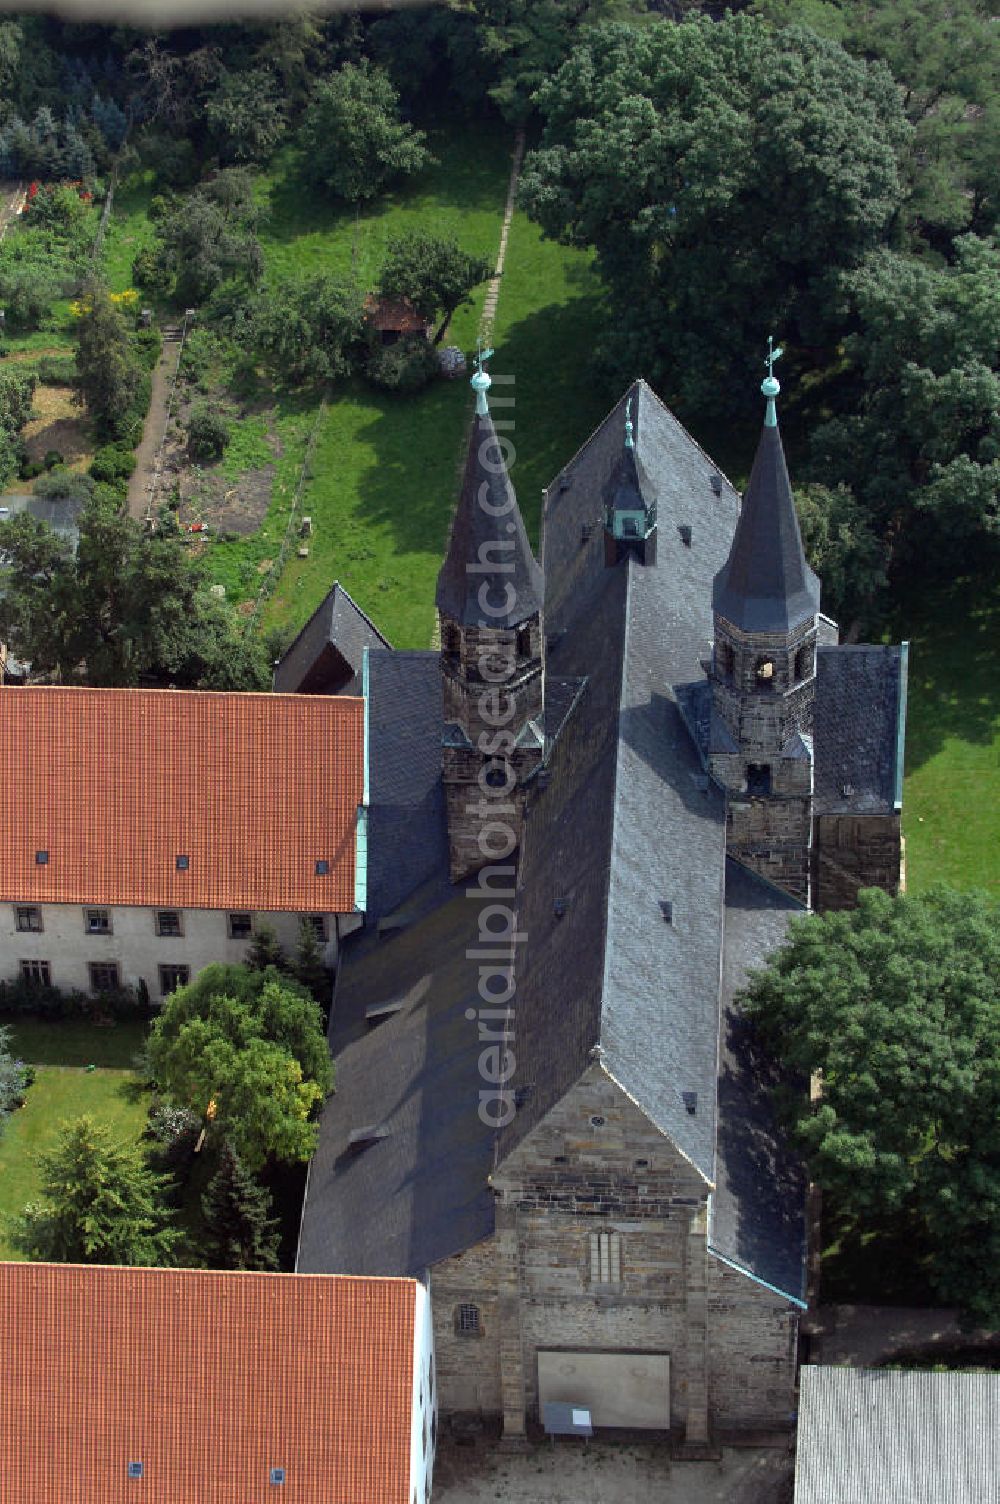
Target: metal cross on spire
481, 382
770, 386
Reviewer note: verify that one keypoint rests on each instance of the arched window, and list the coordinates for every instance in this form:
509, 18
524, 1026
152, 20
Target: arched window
524, 642
765, 673
467, 1323
804, 662
725, 660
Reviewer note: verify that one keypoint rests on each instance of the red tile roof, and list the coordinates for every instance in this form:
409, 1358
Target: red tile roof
396, 314
209, 1380
116, 784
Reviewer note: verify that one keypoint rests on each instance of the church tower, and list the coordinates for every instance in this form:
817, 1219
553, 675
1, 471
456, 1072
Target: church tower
766, 606
489, 599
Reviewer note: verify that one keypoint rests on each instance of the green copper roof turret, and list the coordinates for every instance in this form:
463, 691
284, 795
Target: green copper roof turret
770, 386
481, 382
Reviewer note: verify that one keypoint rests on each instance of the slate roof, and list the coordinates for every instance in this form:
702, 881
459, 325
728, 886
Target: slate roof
860, 713
407, 832
420, 1193
758, 1206
889, 1436
628, 820
766, 584
116, 784
209, 1380
326, 657
488, 532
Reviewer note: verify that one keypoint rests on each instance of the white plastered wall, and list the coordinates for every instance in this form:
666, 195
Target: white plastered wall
423, 1436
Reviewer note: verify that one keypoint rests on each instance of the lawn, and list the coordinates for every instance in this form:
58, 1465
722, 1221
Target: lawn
129, 230
951, 796
60, 1093
385, 470
74, 1041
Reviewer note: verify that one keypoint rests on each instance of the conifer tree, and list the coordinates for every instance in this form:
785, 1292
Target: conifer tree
308, 967
103, 1204
240, 1234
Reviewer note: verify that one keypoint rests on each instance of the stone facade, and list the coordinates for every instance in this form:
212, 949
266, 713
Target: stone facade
852, 852
595, 1166
492, 682
763, 690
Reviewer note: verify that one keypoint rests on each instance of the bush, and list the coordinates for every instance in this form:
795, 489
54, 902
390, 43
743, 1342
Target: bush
28, 469
52, 458
111, 463
200, 348
60, 484
208, 433
407, 366
21, 997
150, 272
149, 343
174, 1133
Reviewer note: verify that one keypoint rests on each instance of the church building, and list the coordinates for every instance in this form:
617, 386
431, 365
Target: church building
630, 766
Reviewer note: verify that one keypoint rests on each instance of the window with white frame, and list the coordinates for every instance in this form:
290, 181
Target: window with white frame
38, 973
605, 1258
29, 920
97, 921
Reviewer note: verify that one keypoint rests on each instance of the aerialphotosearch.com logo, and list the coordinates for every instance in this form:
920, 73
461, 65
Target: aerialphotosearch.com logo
494, 887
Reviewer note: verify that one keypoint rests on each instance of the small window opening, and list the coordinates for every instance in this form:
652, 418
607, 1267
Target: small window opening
759, 780
605, 1258
277, 1475
183, 862
804, 661
524, 642
690, 1099
322, 867
765, 672
41, 858
467, 1322
725, 660
135, 1469
667, 910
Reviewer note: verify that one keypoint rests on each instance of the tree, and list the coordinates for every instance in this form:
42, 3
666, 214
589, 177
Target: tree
28, 289
844, 550
129, 605
245, 115
308, 967
303, 330
252, 1042
102, 1205
112, 382
265, 950
920, 443
240, 1232
209, 239
724, 172
17, 389
13, 1079
434, 273
353, 141
897, 1005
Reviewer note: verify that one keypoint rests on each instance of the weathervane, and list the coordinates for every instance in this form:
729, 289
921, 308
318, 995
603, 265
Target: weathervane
770, 386
481, 382
629, 440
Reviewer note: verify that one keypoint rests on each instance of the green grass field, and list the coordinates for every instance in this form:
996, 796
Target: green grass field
951, 797
64, 1089
60, 1093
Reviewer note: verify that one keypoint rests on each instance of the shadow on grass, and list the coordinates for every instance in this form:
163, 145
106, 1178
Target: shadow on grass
463, 176
953, 630
75, 1042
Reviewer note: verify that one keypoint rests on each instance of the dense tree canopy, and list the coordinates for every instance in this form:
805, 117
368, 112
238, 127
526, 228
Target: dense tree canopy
252, 1043
102, 1204
129, 606
240, 1232
845, 551
724, 172
209, 237
897, 1005
354, 142
920, 441
17, 388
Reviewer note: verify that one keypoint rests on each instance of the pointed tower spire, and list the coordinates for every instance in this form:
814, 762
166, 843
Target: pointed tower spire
490, 577
489, 598
766, 584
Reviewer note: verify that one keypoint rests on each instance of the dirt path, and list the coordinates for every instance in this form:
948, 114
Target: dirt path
143, 486
493, 291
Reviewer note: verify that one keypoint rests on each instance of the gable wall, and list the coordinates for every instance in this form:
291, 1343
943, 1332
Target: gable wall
752, 1349
468, 1367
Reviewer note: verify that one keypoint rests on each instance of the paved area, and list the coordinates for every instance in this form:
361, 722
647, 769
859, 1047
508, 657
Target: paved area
608, 1473
865, 1336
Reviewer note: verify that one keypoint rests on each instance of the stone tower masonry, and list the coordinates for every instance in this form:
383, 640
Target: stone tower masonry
766, 609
